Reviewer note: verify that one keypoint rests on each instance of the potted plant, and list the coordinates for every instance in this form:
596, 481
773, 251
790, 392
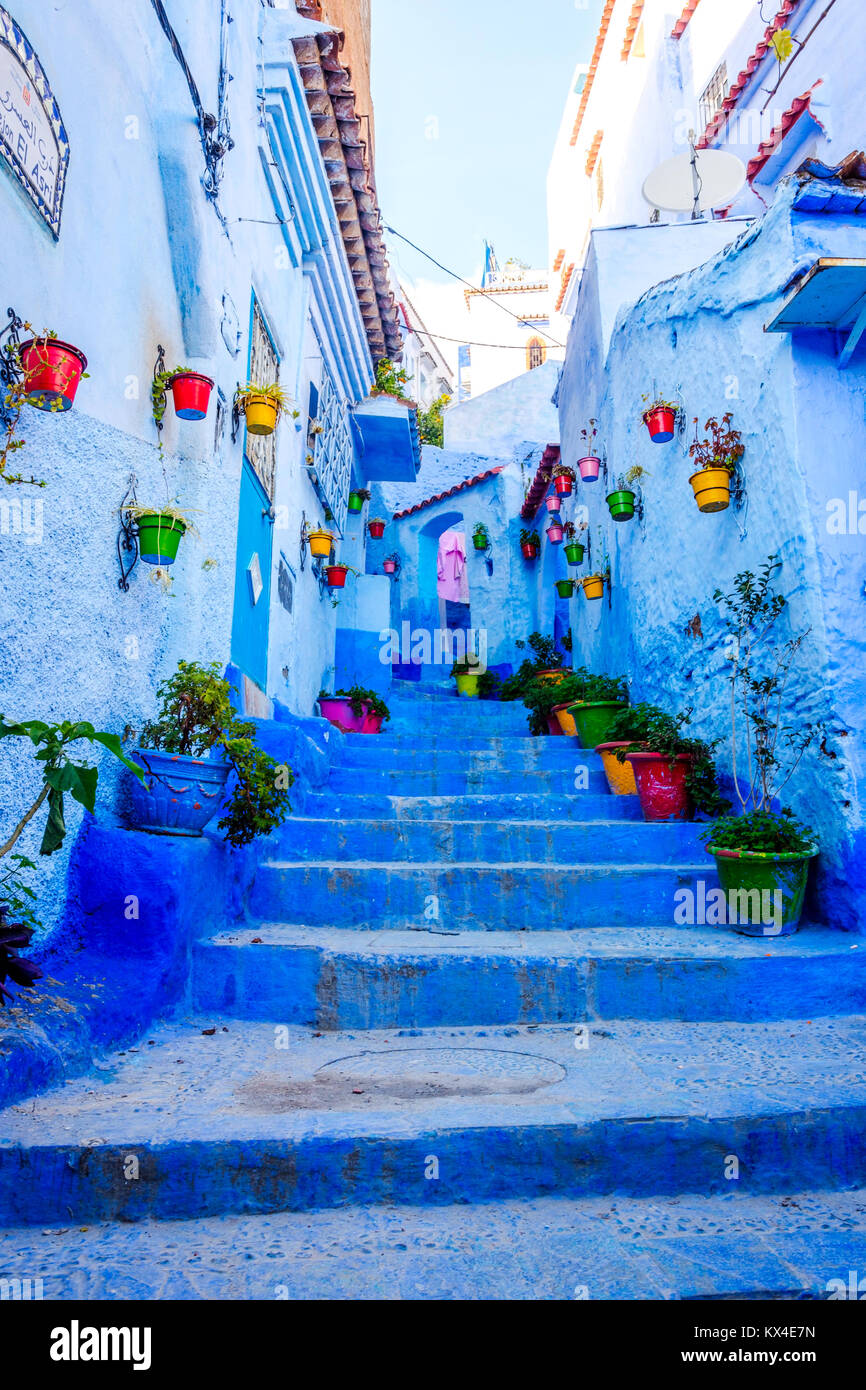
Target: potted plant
600, 698
717, 459
565, 587
52, 371
159, 531
190, 393
262, 405
675, 774
354, 711
357, 498
391, 563
590, 464
480, 536
563, 480
320, 541
552, 502
189, 752
660, 418
554, 533
573, 547
627, 727
621, 501
336, 575
376, 527
548, 701
467, 677
593, 586
761, 849
530, 543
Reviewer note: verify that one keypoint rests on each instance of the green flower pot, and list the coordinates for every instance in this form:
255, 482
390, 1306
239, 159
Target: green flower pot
756, 878
480, 542
574, 554
621, 505
158, 538
356, 503
565, 588
593, 720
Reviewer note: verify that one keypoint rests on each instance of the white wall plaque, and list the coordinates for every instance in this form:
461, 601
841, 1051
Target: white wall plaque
33, 140
254, 574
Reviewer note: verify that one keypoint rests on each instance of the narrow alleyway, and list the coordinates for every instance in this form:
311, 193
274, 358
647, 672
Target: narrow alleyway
453, 991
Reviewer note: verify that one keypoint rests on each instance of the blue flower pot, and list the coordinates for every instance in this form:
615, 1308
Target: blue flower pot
180, 794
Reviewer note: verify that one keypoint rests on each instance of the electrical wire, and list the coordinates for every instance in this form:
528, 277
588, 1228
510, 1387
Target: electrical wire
466, 342
487, 293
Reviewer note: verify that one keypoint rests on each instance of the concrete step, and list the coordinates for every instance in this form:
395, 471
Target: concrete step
772, 1247
477, 896
506, 745
367, 805
454, 841
457, 780
333, 977
264, 1118
522, 754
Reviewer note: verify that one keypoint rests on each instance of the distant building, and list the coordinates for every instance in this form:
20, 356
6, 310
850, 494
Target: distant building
430, 376
509, 324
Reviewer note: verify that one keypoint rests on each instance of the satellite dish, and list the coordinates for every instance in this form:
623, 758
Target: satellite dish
695, 182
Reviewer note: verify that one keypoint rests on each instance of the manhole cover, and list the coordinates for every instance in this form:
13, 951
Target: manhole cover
445, 1071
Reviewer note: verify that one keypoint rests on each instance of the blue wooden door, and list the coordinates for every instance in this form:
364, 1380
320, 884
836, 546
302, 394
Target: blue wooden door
252, 579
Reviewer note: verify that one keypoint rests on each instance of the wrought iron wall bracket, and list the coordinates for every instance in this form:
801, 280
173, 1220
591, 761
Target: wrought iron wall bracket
158, 369
127, 539
10, 368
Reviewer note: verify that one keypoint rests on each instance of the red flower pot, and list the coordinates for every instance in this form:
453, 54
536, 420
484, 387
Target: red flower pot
661, 425
552, 504
389, 566
336, 576
563, 486
588, 468
191, 393
553, 725
661, 786
529, 551
52, 370
554, 535
377, 530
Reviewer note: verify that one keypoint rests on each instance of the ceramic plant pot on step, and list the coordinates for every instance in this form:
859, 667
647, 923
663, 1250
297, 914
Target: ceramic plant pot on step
712, 489
589, 468
159, 537
467, 684
574, 554
751, 882
661, 786
661, 424
593, 718
620, 776
564, 719
552, 676
621, 504
52, 371
191, 394
180, 794
553, 724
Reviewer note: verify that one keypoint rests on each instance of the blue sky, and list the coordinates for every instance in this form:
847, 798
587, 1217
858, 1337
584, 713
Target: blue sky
468, 97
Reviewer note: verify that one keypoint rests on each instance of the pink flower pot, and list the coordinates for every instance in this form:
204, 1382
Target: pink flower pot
389, 566
554, 535
588, 468
339, 712
552, 504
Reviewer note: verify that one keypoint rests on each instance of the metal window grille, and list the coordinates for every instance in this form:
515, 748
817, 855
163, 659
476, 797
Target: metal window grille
261, 449
714, 95
334, 449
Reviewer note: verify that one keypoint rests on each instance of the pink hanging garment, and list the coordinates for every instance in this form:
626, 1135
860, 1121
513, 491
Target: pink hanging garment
452, 579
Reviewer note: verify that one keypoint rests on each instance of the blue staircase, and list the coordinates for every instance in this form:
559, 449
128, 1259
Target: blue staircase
461, 1033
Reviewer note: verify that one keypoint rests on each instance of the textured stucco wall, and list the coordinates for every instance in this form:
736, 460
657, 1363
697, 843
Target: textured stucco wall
495, 420
803, 424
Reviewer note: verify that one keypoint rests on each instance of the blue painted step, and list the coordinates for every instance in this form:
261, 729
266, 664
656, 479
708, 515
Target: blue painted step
526, 753
364, 805
338, 978
261, 1119
475, 896
457, 780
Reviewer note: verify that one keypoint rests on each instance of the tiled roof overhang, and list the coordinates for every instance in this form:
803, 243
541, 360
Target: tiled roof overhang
606, 16
682, 23
331, 101
768, 147
744, 78
541, 482
631, 28
459, 487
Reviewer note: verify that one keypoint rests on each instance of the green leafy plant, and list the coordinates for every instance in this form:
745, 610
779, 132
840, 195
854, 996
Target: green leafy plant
632, 723
562, 470
664, 735
489, 685
545, 657
761, 832
528, 537
16, 397
653, 403
581, 686
390, 380
17, 925
479, 529
358, 696
723, 449
159, 389
431, 422
196, 715
271, 391
363, 492
627, 480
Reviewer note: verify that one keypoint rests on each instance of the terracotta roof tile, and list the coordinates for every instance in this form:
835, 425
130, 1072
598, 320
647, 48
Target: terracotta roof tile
768, 147
606, 16
682, 23
459, 487
741, 82
593, 152
631, 27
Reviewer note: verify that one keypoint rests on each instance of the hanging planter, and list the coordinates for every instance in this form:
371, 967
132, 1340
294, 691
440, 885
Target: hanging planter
589, 468
660, 418
565, 588
320, 542
357, 499
52, 370
530, 544
554, 533
552, 503
593, 586
191, 394
336, 576
563, 480
376, 527
718, 457
262, 405
159, 534
574, 553
621, 504
390, 563
480, 537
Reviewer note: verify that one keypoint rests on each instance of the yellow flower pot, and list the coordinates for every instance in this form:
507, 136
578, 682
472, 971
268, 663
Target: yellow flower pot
565, 720
712, 487
320, 543
593, 586
550, 677
620, 776
467, 684
261, 413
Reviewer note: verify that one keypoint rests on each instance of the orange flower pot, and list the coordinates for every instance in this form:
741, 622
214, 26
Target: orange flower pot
620, 776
